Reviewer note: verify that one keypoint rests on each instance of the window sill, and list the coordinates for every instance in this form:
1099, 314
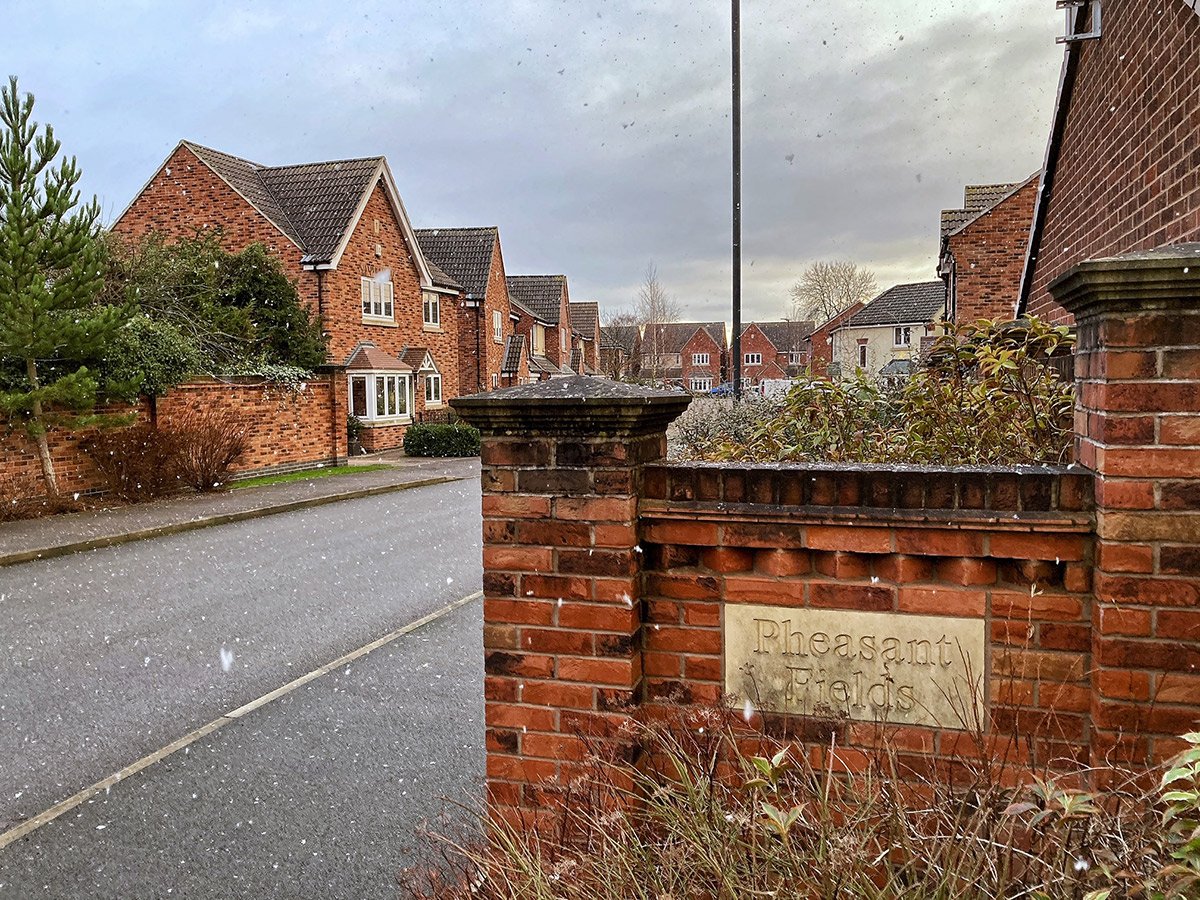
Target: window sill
438, 405
433, 329
383, 423
379, 321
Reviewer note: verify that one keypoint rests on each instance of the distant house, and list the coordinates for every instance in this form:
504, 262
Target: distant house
689, 354
983, 250
541, 303
774, 350
620, 348
819, 344
1122, 159
884, 337
585, 335
473, 258
342, 234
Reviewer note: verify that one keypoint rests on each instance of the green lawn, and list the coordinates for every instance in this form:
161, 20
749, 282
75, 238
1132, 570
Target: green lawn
307, 474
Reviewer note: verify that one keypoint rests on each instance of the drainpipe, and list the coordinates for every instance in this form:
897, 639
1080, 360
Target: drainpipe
478, 330
333, 371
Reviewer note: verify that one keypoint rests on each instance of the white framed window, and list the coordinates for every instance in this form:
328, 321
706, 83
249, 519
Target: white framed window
495, 380
539, 340
497, 327
902, 336
700, 384
700, 359
380, 395
796, 358
562, 339
862, 356
753, 359
431, 307
378, 299
433, 389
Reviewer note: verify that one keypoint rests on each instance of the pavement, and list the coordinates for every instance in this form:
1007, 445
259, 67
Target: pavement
55, 535
115, 654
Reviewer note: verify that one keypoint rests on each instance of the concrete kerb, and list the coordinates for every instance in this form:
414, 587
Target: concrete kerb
141, 534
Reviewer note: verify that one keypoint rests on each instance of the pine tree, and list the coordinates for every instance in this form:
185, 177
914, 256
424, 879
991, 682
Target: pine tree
50, 276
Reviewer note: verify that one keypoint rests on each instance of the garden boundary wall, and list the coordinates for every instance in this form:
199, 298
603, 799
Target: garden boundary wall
610, 576
290, 429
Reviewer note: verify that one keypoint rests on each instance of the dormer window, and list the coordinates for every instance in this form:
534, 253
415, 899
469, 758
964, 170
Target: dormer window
378, 298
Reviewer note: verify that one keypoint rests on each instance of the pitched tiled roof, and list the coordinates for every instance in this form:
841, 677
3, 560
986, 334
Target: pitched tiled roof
465, 254
576, 364
540, 294
322, 198
904, 303
786, 336
440, 278
623, 337
514, 349
367, 356
312, 203
977, 200
414, 357
542, 364
584, 317
670, 337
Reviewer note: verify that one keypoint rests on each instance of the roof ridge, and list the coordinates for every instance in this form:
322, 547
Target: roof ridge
1015, 187
324, 162
194, 145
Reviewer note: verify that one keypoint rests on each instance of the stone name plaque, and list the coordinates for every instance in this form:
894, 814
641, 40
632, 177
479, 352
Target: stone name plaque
898, 668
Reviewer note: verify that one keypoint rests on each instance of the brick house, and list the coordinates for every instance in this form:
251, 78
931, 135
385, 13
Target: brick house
774, 350
342, 233
541, 304
473, 258
819, 344
884, 337
689, 354
620, 351
1122, 169
585, 333
983, 249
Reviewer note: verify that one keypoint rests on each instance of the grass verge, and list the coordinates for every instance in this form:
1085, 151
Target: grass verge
308, 475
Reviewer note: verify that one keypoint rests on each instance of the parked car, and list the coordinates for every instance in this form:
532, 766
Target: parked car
722, 390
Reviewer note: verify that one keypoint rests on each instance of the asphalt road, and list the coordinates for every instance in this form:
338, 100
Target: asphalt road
113, 654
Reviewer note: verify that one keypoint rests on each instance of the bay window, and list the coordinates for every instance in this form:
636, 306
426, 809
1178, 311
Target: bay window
380, 395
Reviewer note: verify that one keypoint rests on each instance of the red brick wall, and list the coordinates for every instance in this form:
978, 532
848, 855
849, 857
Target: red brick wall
290, 430
954, 544
702, 342
185, 197
989, 254
1128, 177
820, 343
1138, 426
481, 356
774, 364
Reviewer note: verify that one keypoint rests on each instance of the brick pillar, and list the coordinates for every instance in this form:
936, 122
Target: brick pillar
562, 473
1138, 425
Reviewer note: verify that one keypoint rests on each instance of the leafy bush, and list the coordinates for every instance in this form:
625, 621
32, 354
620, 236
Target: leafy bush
148, 356
137, 463
984, 395
206, 446
441, 440
238, 310
679, 823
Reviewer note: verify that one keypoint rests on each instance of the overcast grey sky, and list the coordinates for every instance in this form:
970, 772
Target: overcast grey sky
594, 133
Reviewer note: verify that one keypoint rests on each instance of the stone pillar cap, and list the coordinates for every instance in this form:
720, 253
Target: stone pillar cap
1164, 278
579, 406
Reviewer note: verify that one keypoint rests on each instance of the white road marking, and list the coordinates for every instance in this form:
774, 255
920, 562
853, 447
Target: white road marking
33, 824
